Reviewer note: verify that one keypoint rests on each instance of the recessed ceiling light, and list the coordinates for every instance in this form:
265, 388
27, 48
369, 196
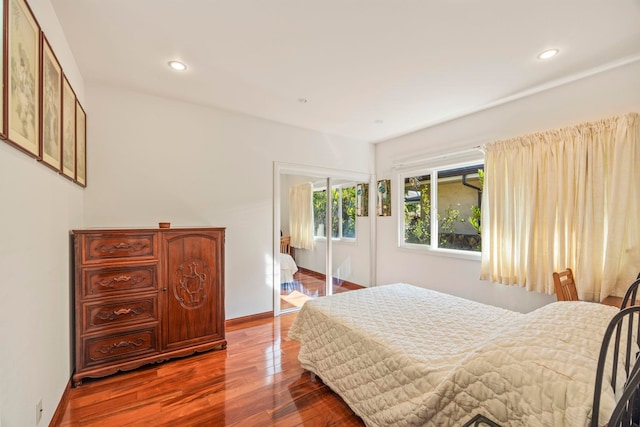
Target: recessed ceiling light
177, 65
548, 54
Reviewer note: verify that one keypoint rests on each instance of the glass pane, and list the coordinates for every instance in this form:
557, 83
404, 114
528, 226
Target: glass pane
459, 198
303, 274
335, 213
417, 210
319, 212
349, 212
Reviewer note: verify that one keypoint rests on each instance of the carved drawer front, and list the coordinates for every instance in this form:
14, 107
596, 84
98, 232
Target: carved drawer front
114, 246
111, 348
101, 315
111, 280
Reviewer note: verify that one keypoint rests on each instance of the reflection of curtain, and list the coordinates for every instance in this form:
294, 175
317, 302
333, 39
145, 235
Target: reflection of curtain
564, 198
301, 216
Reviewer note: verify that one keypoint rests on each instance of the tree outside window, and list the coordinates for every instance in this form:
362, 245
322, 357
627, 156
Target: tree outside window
456, 210
343, 215
349, 212
417, 210
319, 212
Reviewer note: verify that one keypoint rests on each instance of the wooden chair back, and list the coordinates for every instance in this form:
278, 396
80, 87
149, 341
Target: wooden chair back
565, 285
285, 244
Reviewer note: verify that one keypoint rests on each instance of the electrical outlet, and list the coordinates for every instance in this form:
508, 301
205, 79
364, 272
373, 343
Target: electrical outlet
38, 411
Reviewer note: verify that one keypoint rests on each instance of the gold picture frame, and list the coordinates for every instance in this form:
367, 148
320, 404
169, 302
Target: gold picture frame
51, 109
68, 130
383, 201
362, 199
22, 109
81, 145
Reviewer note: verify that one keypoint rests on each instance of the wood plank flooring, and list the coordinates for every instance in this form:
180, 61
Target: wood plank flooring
256, 381
314, 284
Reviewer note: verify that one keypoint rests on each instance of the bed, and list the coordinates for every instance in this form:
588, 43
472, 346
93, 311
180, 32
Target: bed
288, 268
403, 355
288, 265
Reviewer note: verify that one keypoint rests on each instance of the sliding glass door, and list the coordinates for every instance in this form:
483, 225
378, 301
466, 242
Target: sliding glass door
339, 256
303, 269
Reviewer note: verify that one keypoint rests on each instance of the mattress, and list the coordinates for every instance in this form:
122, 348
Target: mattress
400, 355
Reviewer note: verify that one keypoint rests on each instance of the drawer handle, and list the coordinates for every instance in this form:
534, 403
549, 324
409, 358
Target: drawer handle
111, 315
109, 249
109, 283
108, 349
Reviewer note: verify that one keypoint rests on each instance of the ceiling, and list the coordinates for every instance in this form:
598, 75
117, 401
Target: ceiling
368, 69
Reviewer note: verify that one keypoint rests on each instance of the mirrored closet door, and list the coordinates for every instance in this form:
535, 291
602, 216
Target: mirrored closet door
324, 247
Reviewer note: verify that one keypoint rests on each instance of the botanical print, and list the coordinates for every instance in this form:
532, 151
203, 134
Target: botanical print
81, 144
23, 77
52, 78
68, 131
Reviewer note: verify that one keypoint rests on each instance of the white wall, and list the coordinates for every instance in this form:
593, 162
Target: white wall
154, 159
38, 207
603, 95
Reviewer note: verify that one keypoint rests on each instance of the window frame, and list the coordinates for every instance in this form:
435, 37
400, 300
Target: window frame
432, 170
340, 237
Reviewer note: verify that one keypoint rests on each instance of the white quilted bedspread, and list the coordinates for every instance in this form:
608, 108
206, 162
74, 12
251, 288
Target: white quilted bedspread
400, 355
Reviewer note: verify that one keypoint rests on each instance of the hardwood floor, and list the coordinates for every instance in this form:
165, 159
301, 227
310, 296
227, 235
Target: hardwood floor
313, 284
256, 381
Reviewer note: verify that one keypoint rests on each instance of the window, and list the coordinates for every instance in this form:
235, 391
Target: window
445, 215
343, 215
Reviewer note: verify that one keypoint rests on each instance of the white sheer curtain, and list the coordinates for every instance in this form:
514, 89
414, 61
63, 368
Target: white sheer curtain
301, 216
564, 198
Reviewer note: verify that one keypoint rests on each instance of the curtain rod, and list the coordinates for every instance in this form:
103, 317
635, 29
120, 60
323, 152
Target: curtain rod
414, 161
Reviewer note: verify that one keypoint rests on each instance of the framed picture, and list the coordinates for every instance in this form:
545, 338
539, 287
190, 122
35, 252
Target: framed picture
51, 109
362, 199
23, 77
81, 145
383, 203
68, 130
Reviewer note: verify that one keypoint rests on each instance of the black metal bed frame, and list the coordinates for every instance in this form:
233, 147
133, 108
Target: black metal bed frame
627, 410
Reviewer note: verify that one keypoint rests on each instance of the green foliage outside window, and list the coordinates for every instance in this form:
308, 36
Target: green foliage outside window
343, 204
335, 209
457, 221
417, 216
319, 211
448, 226
476, 212
349, 212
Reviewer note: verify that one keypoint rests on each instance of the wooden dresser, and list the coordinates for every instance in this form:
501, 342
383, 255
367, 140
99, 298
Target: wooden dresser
145, 296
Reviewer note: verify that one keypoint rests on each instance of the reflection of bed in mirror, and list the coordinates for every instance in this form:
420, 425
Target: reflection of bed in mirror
288, 265
292, 292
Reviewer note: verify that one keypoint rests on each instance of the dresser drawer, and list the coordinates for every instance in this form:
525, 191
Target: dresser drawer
105, 246
124, 312
110, 280
123, 346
